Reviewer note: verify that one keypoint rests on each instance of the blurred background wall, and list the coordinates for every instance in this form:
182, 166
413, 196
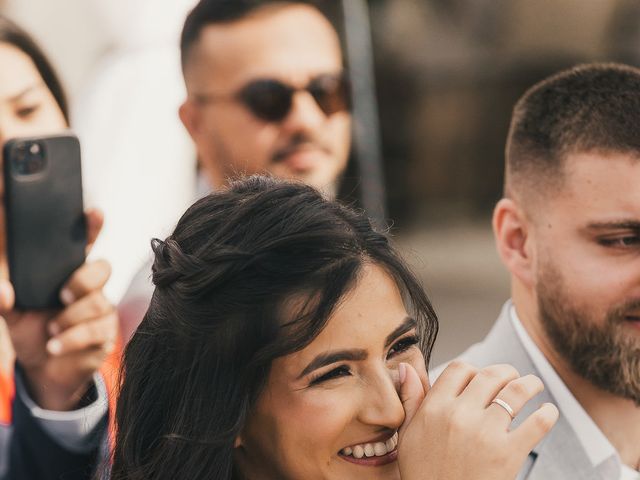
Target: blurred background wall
448, 73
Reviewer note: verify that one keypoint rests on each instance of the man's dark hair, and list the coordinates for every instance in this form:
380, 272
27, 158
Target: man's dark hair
227, 287
208, 12
593, 107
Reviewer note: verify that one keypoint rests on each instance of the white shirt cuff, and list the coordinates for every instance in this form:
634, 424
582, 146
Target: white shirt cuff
74, 430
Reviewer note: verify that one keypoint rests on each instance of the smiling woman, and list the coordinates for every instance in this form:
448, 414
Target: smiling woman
286, 339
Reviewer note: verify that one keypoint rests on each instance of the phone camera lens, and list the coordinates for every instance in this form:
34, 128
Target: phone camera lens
29, 158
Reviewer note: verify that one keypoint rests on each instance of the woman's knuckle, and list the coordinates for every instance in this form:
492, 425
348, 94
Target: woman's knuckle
519, 389
491, 372
541, 423
460, 366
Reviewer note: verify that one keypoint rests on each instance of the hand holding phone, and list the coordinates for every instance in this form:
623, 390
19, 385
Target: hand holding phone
59, 351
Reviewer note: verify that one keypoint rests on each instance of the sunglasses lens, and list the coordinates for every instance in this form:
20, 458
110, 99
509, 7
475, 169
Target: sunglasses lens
331, 92
269, 100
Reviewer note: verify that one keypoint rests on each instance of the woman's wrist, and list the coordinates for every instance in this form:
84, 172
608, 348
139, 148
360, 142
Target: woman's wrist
56, 397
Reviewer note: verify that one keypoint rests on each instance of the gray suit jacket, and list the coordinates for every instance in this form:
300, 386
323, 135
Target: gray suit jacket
560, 455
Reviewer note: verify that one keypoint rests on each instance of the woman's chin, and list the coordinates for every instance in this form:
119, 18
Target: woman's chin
367, 471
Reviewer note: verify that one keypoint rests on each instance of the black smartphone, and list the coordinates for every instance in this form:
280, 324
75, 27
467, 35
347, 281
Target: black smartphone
45, 222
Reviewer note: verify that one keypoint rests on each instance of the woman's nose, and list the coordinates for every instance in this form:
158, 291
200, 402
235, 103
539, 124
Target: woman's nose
381, 405
8, 130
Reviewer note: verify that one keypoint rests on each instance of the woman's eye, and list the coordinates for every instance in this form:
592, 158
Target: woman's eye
402, 345
341, 371
27, 111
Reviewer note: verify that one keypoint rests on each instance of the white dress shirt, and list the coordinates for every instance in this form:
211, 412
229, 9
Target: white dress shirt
74, 430
602, 454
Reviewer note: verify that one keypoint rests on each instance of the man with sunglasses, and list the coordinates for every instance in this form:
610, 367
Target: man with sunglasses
266, 91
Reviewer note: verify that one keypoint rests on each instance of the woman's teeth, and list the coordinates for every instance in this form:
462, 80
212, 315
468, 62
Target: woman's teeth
378, 449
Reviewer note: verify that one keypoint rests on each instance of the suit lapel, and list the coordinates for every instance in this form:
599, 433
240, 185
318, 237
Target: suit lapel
560, 455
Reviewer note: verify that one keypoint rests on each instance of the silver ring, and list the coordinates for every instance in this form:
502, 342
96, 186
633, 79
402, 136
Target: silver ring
507, 408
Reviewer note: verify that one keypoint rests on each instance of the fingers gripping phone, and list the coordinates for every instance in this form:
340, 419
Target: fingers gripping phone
45, 222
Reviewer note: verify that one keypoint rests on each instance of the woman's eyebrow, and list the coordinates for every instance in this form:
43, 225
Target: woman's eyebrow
17, 96
408, 324
328, 358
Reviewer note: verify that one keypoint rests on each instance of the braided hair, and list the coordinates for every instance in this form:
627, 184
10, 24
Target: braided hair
216, 322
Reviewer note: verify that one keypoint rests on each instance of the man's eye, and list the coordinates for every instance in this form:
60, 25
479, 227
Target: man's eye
627, 241
341, 371
402, 345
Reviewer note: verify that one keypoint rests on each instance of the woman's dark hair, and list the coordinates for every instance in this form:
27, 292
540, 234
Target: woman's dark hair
14, 35
221, 313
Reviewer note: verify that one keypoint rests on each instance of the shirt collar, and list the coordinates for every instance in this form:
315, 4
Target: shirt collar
597, 447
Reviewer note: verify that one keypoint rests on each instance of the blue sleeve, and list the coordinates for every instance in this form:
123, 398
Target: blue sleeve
27, 452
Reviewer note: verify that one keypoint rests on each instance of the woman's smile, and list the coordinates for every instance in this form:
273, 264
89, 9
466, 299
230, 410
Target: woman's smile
373, 453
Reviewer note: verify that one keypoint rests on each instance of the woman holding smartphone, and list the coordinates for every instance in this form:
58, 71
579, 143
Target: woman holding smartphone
50, 397
286, 339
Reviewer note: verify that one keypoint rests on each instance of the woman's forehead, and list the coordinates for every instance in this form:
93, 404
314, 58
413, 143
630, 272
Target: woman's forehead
363, 319
18, 73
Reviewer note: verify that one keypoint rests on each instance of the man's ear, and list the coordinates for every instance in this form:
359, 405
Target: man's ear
190, 117
514, 240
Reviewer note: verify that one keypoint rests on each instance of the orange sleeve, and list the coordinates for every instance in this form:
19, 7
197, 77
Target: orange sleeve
110, 372
7, 391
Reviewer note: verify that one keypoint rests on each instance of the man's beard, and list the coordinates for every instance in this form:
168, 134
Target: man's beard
602, 351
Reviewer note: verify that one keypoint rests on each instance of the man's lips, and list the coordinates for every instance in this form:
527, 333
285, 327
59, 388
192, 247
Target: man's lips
300, 156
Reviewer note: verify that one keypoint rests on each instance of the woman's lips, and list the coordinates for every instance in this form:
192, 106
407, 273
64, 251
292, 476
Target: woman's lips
372, 461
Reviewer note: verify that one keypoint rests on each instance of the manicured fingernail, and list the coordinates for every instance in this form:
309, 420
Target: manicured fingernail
54, 329
67, 296
54, 347
402, 372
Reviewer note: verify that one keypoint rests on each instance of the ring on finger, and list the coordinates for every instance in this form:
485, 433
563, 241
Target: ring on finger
507, 408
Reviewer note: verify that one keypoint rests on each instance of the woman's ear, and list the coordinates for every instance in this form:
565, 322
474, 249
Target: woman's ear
514, 238
238, 442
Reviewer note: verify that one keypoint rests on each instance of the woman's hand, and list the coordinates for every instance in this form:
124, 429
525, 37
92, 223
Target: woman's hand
455, 432
60, 351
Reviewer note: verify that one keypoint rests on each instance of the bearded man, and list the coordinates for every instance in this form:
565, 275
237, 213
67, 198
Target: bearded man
568, 231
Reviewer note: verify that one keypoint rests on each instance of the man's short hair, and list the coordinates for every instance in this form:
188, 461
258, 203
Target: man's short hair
588, 108
209, 12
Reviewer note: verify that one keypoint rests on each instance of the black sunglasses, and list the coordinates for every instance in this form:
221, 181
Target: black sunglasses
271, 100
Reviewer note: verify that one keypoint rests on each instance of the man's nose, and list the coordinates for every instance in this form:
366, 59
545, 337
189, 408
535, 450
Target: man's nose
381, 402
305, 114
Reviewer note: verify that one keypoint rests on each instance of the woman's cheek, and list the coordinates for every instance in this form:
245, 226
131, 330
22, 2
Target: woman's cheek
326, 413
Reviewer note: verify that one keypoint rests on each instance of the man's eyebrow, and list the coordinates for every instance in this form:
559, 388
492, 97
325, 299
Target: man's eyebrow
615, 225
408, 324
328, 358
